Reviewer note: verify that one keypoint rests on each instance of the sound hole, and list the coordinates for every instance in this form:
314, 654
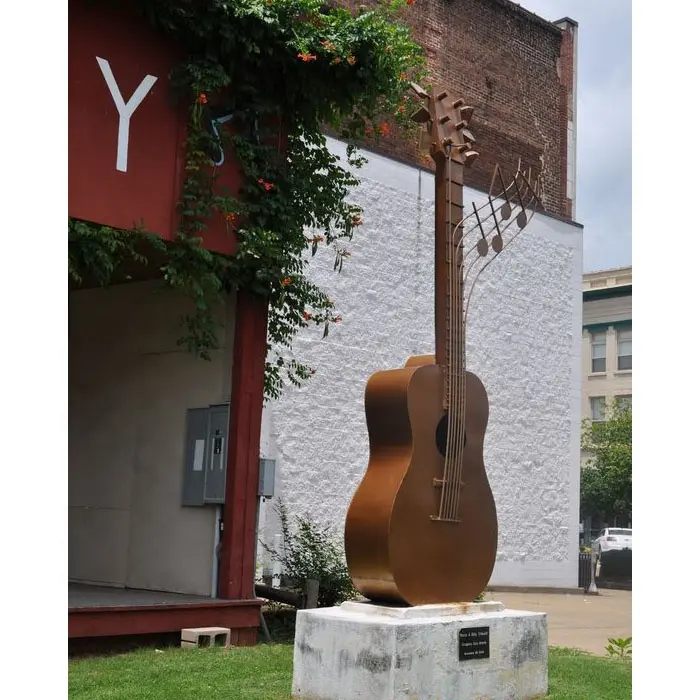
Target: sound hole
441, 435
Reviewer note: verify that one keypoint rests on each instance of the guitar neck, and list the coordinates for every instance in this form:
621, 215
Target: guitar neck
449, 210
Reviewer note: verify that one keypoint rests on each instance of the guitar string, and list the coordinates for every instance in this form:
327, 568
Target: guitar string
452, 476
457, 368
455, 392
465, 276
458, 405
451, 423
462, 391
508, 225
471, 289
524, 208
456, 345
447, 387
532, 213
494, 226
462, 445
460, 402
460, 394
466, 233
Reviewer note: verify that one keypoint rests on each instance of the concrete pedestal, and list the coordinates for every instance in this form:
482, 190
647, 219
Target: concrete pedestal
362, 651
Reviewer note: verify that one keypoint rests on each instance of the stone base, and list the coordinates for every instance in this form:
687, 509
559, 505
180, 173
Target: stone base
362, 651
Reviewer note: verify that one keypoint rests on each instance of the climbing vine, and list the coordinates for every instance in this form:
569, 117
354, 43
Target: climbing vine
263, 80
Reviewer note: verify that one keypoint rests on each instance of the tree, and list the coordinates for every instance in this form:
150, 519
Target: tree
606, 478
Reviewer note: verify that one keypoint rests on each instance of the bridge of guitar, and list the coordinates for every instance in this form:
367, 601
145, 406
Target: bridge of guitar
441, 483
437, 518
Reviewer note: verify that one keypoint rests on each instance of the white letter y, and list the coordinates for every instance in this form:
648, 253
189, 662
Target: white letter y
125, 110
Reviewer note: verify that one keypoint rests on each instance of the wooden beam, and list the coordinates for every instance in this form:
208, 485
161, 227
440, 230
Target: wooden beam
241, 616
237, 554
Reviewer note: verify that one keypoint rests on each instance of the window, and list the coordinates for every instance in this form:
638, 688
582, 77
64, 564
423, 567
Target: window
598, 352
624, 349
597, 408
624, 401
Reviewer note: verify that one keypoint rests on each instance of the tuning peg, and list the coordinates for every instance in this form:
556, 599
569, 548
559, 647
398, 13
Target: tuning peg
462, 126
421, 116
469, 156
466, 114
419, 91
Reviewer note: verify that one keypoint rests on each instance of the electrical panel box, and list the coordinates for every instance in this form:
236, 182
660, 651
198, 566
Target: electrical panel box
217, 448
266, 489
206, 447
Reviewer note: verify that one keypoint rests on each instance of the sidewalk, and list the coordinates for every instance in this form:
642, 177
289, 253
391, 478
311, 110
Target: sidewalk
575, 620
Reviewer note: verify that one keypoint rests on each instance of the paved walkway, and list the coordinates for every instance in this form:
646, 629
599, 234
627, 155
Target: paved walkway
575, 620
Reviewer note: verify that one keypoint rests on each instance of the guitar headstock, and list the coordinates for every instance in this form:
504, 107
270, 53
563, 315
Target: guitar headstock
447, 126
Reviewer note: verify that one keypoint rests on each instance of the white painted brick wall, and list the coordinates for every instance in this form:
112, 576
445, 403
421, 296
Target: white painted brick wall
523, 341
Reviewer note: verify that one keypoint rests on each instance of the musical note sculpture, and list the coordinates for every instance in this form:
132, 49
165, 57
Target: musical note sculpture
422, 525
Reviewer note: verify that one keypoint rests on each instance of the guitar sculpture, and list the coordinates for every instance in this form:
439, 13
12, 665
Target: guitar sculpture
422, 526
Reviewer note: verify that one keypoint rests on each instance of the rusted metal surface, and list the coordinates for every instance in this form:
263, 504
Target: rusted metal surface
396, 551
422, 525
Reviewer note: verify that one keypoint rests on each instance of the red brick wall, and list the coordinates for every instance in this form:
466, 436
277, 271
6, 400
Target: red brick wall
511, 66
567, 107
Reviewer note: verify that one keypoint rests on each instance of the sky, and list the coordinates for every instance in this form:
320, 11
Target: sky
604, 129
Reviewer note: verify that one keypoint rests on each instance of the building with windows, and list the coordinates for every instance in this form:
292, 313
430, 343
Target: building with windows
606, 354
607, 340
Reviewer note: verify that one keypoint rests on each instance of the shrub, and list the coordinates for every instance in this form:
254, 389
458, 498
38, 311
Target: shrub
313, 552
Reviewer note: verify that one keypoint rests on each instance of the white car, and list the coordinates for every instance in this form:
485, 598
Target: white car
612, 539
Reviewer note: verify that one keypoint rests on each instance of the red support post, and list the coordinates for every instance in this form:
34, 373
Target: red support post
237, 554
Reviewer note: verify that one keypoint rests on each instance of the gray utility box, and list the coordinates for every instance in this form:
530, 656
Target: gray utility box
205, 456
206, 449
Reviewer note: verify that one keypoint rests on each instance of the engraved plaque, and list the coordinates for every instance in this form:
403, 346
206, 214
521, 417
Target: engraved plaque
473, 643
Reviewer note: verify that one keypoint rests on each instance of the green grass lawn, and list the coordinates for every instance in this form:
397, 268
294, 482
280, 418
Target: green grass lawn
264, 672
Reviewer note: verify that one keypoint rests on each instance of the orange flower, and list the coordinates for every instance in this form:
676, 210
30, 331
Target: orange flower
401, 109
328, 45
267, 185
336, 61
202, 99
286, 281
356, 220
306, 57
403, 76
410, 2
351, 60
231, 218
307, 316
337, 319
384, 129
